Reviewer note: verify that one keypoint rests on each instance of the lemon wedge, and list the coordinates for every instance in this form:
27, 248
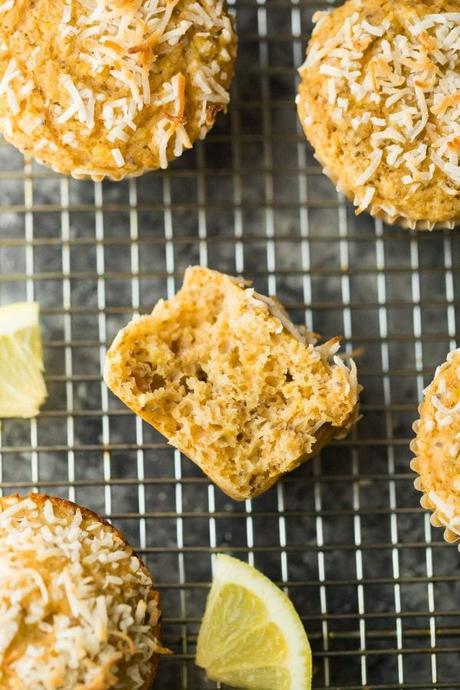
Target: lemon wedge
251, 635
22, 388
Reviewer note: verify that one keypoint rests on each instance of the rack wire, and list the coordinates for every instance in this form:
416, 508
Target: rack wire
376, 587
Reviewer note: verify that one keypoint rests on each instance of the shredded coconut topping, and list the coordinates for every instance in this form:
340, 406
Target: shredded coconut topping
76, 606
8, 5
412, 81
127, 43
437, 447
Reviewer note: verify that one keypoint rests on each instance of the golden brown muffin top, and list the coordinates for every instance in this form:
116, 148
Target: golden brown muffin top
380, 102
78, 608
112, 87
437, 447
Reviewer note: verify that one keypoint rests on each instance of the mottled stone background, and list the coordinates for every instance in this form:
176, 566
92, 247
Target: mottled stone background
363, 566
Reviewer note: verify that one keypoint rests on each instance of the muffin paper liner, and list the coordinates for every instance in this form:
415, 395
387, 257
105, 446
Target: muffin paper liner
377, 212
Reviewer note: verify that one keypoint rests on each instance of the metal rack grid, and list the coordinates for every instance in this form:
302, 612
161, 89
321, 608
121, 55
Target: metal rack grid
377, 588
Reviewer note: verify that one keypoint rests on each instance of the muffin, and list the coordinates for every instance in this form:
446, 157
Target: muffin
112, 88
78, 608
378, 101
228, 379
437, 448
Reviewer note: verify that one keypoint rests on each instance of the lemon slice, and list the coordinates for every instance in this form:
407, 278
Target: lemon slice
22, 388
251, 635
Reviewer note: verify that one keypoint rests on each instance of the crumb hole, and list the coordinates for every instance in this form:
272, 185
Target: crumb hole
288, 376
183, 382
156, 381
174, 347
201, 374
142, 375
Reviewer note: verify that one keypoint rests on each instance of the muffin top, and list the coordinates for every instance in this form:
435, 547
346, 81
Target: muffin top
437, 447
380, 102
112, 88
77, 606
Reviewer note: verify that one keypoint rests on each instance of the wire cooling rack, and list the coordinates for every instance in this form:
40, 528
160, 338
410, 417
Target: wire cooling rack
376, 587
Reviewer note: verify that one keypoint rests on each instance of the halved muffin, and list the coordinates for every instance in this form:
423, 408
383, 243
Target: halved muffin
230, 381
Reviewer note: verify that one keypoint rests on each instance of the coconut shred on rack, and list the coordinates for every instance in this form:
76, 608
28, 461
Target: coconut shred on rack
129, 41
412, 84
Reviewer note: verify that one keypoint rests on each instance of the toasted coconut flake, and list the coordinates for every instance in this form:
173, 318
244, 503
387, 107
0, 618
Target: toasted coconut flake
118, 157
376, 157
364, 202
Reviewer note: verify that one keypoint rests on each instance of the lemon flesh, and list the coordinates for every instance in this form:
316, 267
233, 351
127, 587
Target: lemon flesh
251, 635
22, 387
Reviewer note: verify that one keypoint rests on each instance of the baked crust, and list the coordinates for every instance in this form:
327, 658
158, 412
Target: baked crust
437, 448
114, 93
231, 382
63, 508
355, 123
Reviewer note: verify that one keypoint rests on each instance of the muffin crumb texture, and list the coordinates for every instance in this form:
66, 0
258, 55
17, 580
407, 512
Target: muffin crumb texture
437, 448
77, 607
97, 88
379, 101
223, 373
